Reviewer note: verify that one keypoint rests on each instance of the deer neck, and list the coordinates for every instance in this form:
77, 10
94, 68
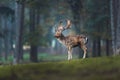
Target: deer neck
61, 38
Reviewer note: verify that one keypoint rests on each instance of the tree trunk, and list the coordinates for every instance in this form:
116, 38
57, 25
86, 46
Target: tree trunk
6, 36
118, 31
19, 16
1, 37
33, 53
94, 50
115, 25
107, 47
98, 46
21, 30
113, 22
16, 32
33, 50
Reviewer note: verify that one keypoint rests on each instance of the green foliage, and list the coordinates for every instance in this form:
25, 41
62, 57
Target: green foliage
38, 3
37, 37
98, 19
105, 68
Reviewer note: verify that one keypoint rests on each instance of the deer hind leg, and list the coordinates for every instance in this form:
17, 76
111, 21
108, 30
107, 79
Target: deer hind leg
69, 53
85, 50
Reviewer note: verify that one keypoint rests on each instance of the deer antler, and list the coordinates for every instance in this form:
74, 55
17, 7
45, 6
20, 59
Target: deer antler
68, 24
61, 27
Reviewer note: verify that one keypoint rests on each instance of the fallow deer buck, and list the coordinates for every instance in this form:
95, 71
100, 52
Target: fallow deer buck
70, 41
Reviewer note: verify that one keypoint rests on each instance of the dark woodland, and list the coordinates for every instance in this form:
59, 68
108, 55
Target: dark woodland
27, 28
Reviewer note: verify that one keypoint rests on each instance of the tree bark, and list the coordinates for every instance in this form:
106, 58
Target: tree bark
1, 38
21, 30
33, 50
118, 31
115, 25
15, 60
6, 38
113, 22
19, 17
107, 47
94, 50
98, 46
33, 53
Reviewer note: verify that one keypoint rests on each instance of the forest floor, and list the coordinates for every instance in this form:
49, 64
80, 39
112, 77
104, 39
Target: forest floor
103, 68
42, 57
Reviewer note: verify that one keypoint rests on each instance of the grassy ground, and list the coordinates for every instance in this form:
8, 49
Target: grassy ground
41, 57
105, 68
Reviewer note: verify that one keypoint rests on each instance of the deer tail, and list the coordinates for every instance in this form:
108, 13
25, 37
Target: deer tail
86, 40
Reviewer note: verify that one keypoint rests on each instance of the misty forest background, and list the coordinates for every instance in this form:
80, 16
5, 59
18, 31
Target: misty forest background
27, 28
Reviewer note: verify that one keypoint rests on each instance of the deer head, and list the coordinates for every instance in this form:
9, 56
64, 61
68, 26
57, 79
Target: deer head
61, 28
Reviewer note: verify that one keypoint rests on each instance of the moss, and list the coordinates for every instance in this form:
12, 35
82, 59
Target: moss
105, 68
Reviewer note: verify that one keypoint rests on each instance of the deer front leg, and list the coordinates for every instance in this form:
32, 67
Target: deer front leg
85, 50
69, 53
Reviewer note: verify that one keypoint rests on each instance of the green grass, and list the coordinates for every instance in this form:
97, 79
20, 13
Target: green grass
105, 68
41, 57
